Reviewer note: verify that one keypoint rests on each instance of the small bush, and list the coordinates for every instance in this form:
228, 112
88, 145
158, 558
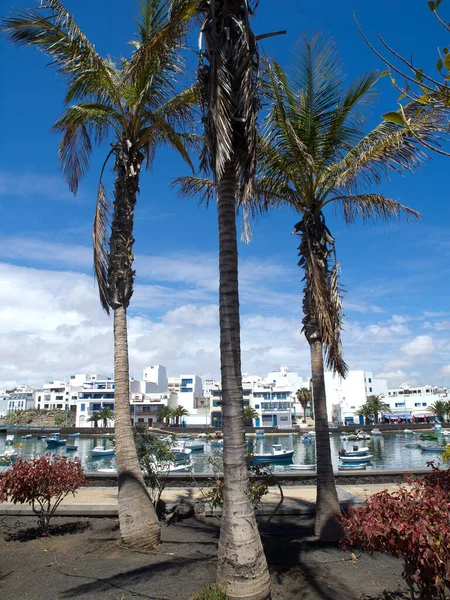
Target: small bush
412, 524
59, 418
43, 482
210, 592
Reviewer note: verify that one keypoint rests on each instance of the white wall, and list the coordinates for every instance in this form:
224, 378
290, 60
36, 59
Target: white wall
156, 374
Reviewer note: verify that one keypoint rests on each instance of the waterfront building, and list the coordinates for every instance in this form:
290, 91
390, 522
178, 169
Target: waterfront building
157, 374
23, 400
413, 402
54, 395
144, 408
346, 396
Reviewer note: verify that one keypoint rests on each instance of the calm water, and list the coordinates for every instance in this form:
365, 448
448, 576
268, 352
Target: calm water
389, 451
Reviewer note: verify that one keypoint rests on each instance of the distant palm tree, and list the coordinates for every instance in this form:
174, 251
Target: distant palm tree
94, 418
179, 412
304, 397
164, 414
440, 409
315, 155
134, 105
250, 414
106, 414
375, 405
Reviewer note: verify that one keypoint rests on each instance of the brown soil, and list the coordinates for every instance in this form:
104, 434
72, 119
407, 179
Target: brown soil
92, 564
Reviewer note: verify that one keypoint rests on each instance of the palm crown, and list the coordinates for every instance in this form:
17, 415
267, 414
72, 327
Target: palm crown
132, 103
313, 152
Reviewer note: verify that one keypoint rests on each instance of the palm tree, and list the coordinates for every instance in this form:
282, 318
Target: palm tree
314, 154
440, 409
133, 104
250, 415
365, 411
94, 418
227, 81
179, 412
164, 414
376, 406
304, 397
106, 414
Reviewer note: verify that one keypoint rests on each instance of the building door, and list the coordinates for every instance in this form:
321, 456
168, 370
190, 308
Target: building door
361, 420
150, 421
274, 421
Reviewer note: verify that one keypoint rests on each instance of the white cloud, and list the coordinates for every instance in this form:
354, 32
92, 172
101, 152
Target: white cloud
201, 315
446, 370
419, 346
34, 184
397, 376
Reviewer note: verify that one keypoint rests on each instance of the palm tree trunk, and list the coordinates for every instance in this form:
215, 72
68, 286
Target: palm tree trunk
242, 568
139, 525
327, 502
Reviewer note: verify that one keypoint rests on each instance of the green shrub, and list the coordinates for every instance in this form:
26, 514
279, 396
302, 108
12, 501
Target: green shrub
210, 592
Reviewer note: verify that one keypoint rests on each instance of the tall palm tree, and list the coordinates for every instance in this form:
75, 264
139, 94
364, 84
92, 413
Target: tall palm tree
179, 412
439, 408
106, 414
133, 104
375, 405
315, 155
304, 397
227, 80
164, 414
94, 418
250, 414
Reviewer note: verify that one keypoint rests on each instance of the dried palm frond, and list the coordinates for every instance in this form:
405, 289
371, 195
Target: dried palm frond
100, 235
372, 207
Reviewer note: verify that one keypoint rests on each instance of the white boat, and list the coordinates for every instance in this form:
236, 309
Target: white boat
195, 446
306, 438
355, 452
8, 456
179, 448
27, 437
445, 432
102, 451
352, 467
407, 431
356, 459
376, 431
437, 427
363, 436
10, 439
277, 454
438, 449
260, 433
302, 467
173, 467
73, 435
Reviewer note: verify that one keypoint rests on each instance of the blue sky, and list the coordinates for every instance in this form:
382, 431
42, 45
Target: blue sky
51, 325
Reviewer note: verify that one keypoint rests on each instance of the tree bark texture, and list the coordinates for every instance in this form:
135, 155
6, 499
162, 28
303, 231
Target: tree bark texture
242, 567
327, 502
139, 525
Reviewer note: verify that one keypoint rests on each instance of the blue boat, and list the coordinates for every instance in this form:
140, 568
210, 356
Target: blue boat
55, 441
424, 448
73, 435
277, 455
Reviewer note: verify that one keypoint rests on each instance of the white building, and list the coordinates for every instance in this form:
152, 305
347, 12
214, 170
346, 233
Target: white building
4, 397
145, 407
294, 381
96, 394
157, 375
54, 395
23, 400
413, 402
346, 396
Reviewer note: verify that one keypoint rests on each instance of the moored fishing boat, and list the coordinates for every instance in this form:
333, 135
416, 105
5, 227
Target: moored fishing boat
412, 445
27, 437
357, 459
54, 440
375, 431
260, 433
195, 446
10, 439
102, 451
73, 435
355, 452
430, 448
356, 467
277, 454
302, 467
8, 456
71, 448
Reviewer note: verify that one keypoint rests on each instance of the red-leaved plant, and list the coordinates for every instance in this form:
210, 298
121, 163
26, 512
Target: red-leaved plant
43, 482
410, 523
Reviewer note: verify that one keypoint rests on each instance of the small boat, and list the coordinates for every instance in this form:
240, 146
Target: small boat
27, 437
8, 456
183, 437
355, 467
412, 445
429, 436
71, 448
179, 449
355, 452
173, 467
445, 432
202, 436
42, 437
260, 433
195, 446
302, 467
10, 439
277, 454
357, 459
217, 444
437, 427
54, 440
107, 470
364, 436
306, 438
376, 431
424, 448
102, 451
407, 431
73, 435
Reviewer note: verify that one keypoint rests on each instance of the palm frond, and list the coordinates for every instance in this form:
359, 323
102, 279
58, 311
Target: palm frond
390, 148
100, 235
52, 29
162, 132
372, 207
227, 79
195, 187
180, 110
78, 124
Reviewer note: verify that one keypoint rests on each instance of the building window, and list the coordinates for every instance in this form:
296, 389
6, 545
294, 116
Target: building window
186, 382
45, 405
83, 407
186, 389
370, 389
257, 406
370, 380
417, 404
398, 404
59, 406
424, 403
96, 407
59, 397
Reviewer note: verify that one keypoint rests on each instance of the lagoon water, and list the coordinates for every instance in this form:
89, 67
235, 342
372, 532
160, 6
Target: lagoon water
389, 451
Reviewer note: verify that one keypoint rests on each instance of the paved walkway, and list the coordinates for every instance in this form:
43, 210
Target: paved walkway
102, 501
